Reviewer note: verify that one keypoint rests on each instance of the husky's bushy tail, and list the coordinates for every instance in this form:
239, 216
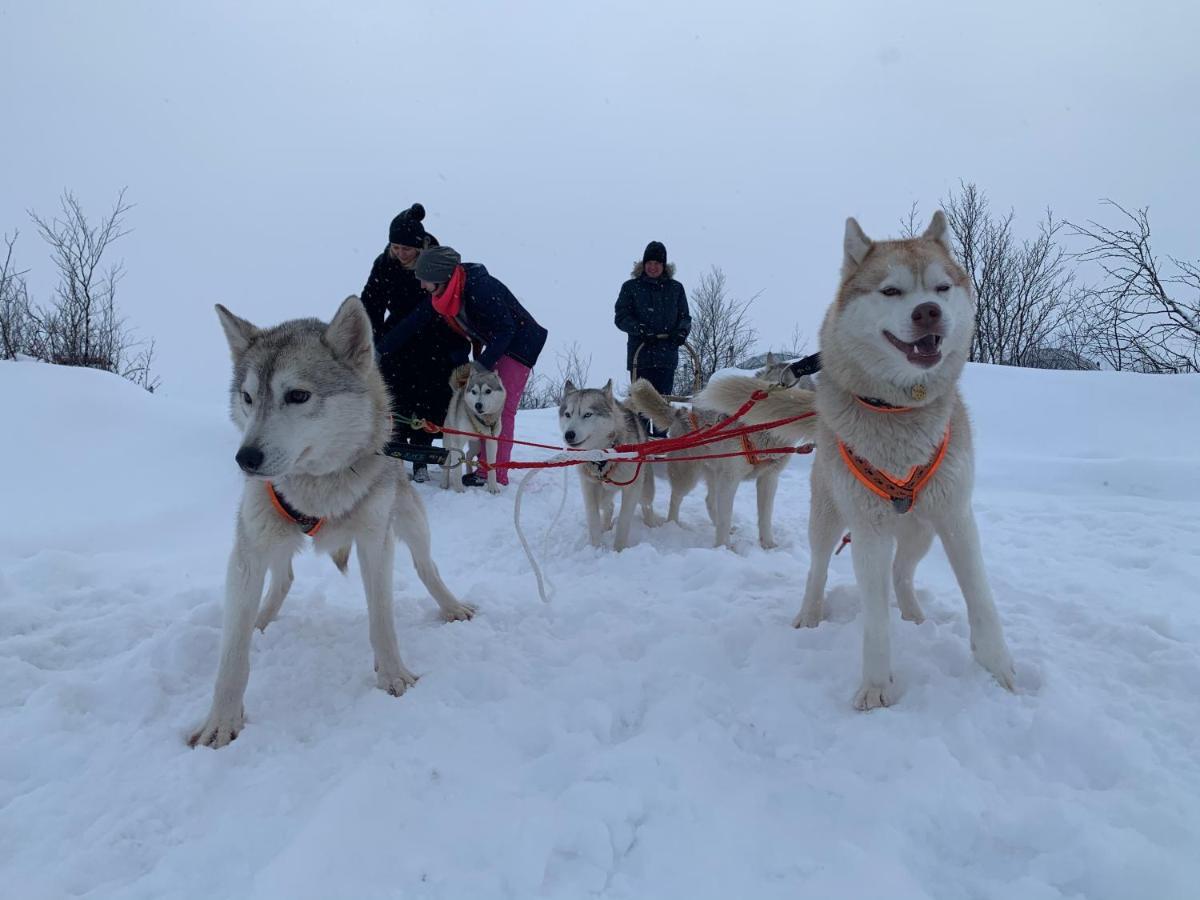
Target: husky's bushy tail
727, 394
643, 398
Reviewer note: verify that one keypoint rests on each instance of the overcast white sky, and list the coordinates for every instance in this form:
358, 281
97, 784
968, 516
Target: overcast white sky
267, 145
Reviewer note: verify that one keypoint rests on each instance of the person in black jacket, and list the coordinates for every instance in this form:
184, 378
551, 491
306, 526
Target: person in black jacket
485, 312
652, 309
418, 378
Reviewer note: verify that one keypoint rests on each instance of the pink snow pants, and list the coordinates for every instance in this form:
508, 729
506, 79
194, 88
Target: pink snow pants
513, 375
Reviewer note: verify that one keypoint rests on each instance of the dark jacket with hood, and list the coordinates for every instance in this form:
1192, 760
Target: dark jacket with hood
419, 377
490, 315
649, 307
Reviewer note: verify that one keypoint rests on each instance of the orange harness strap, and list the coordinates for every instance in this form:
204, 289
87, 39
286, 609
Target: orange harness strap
751, 457
310, 525
902, 494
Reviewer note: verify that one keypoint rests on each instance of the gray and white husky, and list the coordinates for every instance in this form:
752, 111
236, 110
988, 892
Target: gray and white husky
722, 476
593, 419
895, 460
476, 406
314, 414
780, 371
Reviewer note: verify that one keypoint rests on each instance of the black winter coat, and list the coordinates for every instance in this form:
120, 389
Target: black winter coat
648, 307
490, 314
419, 377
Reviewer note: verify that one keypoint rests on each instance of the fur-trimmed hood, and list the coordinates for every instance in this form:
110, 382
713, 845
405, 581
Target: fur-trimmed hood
668, 270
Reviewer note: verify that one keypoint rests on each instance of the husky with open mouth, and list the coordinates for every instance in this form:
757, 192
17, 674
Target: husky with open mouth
894, 461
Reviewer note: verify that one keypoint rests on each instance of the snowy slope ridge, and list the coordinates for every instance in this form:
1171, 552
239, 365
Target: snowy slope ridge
658, 731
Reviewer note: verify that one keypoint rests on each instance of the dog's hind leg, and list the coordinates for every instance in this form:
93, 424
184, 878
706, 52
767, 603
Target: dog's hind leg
911, 546
412, 526
243, 588
960, 537
281, 582
824, 527
872, 552
766, 485
683, 477
376, 555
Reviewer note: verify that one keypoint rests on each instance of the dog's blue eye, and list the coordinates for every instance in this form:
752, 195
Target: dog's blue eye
246, 398
587, 415
891, 292
296, 397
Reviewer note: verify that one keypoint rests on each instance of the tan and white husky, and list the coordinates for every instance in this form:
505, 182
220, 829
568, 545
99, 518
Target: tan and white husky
895, 461
476, 406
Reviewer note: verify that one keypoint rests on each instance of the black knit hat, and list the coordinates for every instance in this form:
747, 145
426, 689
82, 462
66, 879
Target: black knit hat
656, 251
406, 228
436, 264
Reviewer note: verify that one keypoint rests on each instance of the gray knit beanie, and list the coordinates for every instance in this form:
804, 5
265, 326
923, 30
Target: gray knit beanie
436, 264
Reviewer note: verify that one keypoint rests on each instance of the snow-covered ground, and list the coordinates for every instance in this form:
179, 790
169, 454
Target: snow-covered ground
657, 731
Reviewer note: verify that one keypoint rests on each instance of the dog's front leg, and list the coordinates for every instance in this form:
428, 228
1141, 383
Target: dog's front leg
243, 589
824, 527
629, 503
454, 472
723, 490
592, 498
376, 555
960, 537
489, 448
872, 552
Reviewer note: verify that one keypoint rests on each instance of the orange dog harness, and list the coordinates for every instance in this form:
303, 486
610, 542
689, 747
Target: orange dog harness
902, 493
310, 525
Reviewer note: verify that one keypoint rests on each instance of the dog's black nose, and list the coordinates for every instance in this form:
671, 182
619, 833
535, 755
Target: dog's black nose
927, 315
249, 458
570, 437
478, 407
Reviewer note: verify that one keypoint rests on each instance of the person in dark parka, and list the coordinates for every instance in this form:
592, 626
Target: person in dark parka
483, 310
652, 309
418, 378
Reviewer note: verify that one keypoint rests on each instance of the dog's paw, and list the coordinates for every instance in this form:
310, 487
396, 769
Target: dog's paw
873, 696
265, 618
397, 682
459, 612
652, 520
218, 729
911, 613
808, 617
767, 544
493, 488
994, 657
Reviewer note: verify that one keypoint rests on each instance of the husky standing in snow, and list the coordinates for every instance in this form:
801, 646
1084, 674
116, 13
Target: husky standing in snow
476, 406
721, 475
593, 419
894, 458
314, 414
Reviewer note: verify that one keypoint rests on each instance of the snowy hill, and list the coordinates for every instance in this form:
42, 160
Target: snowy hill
658, 731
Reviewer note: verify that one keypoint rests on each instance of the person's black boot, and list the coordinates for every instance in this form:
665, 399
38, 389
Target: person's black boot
474, 479
420, 473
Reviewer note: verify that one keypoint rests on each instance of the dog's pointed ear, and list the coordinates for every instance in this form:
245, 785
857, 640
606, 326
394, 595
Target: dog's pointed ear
349, 334
238, 331
568, 387
460, 376
856, 246
770, 358
938, 230
608, 389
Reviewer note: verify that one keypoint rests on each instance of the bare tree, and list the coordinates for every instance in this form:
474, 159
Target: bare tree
14, 305
1147, 318
542, 391
82, 326
1024, 288
721, 330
